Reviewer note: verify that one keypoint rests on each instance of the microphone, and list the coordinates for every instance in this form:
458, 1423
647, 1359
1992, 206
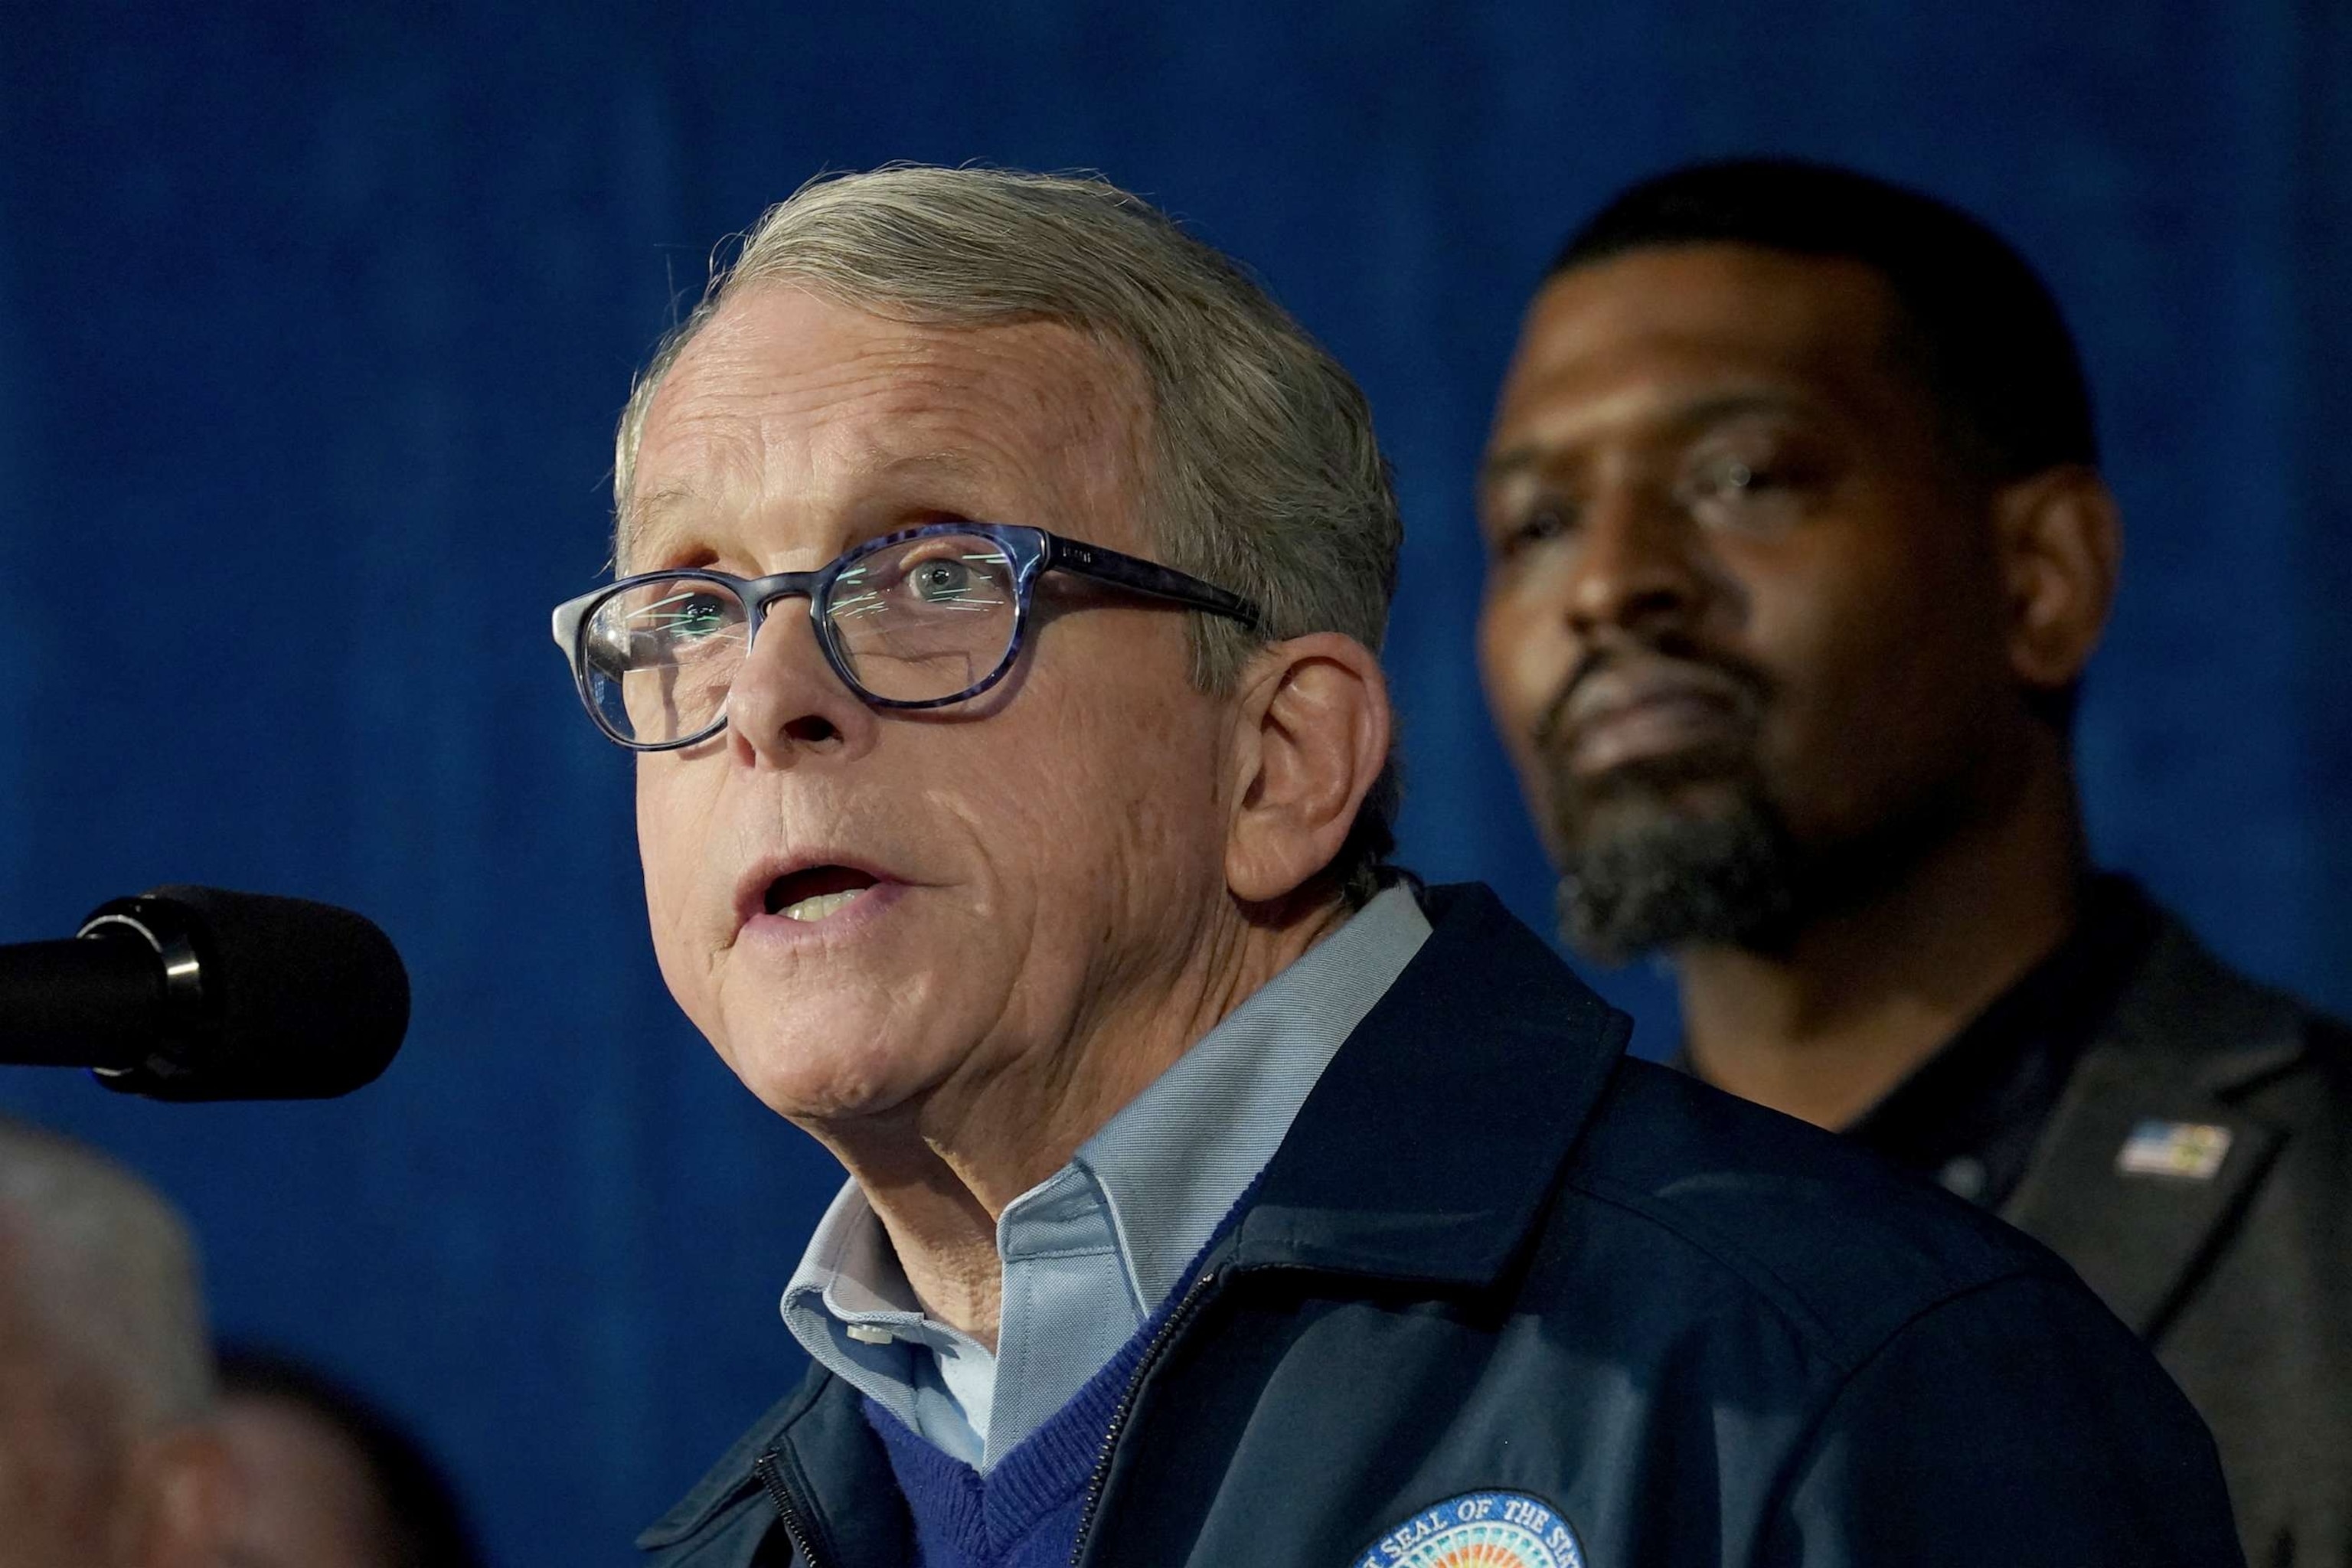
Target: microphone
188, 994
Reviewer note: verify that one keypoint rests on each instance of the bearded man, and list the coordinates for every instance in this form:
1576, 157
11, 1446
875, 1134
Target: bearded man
1797, 548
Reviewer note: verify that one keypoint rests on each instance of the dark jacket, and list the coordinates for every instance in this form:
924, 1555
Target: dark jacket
2242, 1280
1493, 1256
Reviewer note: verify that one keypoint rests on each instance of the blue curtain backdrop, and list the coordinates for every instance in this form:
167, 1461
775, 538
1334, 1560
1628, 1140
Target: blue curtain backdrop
313, 323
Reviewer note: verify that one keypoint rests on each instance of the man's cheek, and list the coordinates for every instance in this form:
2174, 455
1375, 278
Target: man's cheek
655, 854
673, 855
1503, 636
680, 970
1524, 659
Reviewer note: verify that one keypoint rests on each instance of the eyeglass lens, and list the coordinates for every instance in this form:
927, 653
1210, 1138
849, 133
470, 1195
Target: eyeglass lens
925, 619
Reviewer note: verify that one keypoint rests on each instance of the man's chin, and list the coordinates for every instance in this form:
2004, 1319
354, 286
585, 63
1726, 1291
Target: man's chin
811, 1078
816, 1105
1624, 805
1674, 864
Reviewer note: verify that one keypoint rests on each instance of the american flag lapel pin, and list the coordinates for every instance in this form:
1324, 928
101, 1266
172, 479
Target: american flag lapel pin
2186, 1151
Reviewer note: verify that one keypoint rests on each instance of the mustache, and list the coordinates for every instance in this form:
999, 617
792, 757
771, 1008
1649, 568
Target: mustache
1745, 685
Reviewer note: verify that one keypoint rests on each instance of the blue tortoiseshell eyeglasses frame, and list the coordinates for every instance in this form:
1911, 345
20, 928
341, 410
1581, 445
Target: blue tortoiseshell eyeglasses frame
1033, 553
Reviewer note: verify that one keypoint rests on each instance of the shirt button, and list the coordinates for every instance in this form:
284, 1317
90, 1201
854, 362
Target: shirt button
1964, 1177
869, 1333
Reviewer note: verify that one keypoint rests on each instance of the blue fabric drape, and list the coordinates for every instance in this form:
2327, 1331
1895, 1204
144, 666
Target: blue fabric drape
313, 323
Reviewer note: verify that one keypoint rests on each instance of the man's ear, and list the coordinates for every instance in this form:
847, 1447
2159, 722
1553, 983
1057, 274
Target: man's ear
2061, 542
1311, 735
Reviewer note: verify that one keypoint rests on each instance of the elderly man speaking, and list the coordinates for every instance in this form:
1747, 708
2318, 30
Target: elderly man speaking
1002, 577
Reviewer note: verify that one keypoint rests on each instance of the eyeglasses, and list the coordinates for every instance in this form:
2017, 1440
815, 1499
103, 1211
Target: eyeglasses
920, 618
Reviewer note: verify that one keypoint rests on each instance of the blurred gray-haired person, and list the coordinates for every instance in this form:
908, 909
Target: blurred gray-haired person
107, 1455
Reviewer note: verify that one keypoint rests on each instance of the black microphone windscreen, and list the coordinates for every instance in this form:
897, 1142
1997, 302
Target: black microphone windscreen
303, 1000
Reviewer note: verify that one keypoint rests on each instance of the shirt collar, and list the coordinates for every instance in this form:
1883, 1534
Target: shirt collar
1169, 1166
1972, 1113
850, 1307
1174, 1162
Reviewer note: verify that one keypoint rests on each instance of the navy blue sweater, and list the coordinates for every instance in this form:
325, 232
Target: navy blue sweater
1025, 1513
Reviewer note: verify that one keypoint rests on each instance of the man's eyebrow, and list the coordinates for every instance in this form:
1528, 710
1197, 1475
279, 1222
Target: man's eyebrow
649, 506
1720, 406
1509, 463
641, 514
641, 520
1506, 463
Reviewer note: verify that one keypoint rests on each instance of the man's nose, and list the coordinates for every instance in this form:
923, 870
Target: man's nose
1635, 568
786, 702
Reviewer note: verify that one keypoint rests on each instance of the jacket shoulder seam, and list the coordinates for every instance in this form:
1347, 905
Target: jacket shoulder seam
1806, 1446
1788, 1302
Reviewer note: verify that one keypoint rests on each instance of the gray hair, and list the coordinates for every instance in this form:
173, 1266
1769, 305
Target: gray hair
1264, 475
101, 1261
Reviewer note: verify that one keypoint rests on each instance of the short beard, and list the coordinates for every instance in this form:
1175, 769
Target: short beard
1647, 869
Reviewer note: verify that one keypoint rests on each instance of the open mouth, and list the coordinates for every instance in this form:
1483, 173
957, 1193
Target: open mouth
816, 892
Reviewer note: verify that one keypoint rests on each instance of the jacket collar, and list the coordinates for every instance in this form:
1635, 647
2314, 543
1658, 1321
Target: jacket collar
2188, 1041
1430, 1143
2187, 1020
819, 1429
732, 1474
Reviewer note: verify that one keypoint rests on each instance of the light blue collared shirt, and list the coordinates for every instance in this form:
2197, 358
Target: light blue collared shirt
1093, 1250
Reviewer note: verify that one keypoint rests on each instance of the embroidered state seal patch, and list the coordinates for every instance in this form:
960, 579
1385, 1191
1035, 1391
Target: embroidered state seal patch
1479, 1529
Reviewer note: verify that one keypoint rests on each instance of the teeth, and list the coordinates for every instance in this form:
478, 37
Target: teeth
822, 905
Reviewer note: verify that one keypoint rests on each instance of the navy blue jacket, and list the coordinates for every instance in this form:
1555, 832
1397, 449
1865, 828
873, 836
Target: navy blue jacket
1504, 1290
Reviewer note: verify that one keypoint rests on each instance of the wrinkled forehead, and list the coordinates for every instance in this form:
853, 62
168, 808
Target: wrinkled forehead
1674, 322
788, 400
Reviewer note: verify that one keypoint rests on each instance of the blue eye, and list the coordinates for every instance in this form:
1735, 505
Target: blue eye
936, 581
689, 616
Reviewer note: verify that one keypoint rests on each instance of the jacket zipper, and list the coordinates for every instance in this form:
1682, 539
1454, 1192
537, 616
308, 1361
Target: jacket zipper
772, 1477
1169, 1328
